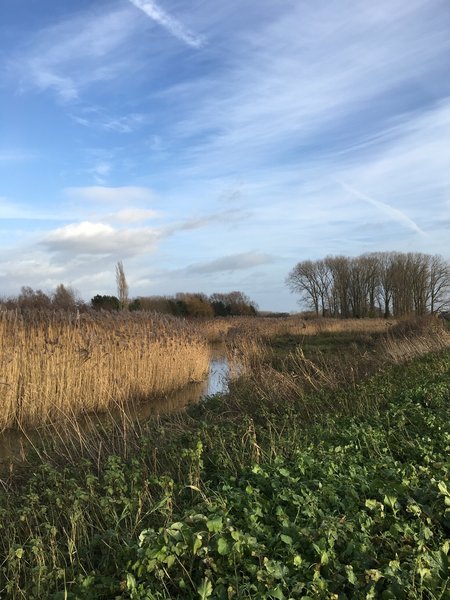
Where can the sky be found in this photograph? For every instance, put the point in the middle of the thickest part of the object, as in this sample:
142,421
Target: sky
212,146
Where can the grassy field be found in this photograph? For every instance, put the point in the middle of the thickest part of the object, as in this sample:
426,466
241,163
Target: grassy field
336,487
53,367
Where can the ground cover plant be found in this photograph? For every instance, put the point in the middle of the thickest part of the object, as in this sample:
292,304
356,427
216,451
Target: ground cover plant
55,366
341,492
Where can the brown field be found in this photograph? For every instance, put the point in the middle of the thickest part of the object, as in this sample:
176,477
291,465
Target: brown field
55,366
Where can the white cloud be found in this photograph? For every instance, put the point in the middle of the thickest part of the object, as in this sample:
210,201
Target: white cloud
177,29
87,238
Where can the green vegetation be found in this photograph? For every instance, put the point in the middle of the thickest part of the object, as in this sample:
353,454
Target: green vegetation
245,497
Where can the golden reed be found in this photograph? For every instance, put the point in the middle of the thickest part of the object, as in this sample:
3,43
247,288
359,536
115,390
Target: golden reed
57,364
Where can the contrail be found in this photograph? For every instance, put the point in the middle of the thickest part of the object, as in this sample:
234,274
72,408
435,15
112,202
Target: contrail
152,10
395,213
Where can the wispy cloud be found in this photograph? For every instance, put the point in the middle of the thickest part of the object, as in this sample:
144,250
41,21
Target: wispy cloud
234,262
285,101
97,118
173,26
306,76
11,210
223,217
133,215
11,156
107,195
74,53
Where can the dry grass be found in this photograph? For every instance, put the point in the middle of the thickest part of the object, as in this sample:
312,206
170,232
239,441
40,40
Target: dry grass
415,337
57,366
220,329
298,375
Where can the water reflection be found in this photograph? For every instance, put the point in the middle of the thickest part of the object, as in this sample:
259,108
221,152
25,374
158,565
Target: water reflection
215,383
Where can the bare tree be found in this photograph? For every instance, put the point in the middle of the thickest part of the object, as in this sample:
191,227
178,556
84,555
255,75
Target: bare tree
439,284
304,279
122,286
64,298
33,299
339,267
401,284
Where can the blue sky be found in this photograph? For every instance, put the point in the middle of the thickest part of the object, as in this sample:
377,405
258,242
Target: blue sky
211,146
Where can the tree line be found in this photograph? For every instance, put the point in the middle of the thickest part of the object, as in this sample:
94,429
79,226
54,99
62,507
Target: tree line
371,285
180,305
184,304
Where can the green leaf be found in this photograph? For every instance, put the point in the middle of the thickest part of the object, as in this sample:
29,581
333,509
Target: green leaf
443,488
131,582
19,552
277,593
286,539
170,560
205,590
390,501
214,525
222,546
351,575
197,544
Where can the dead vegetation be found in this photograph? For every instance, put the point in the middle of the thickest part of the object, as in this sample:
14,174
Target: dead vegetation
59,365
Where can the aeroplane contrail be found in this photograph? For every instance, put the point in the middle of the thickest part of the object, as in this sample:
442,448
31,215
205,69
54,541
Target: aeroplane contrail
395,213
177,29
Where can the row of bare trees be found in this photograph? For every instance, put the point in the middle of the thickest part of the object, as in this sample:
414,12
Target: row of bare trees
62,298
377,284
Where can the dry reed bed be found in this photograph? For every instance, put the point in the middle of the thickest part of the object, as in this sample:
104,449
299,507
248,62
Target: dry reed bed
227,327
54,366
401,342
411,338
